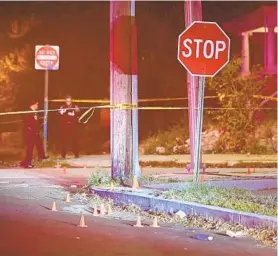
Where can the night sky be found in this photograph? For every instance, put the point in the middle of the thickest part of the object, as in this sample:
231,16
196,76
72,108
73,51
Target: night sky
81,29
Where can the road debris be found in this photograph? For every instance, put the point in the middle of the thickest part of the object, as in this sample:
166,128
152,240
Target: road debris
235,234
202,237
180,214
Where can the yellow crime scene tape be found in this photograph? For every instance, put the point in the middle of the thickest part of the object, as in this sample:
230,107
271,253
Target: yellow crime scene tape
90,110
163,99
42,111
126,107
140,100
132,106
266,97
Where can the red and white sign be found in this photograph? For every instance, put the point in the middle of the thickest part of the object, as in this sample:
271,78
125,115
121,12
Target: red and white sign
47,57
203,49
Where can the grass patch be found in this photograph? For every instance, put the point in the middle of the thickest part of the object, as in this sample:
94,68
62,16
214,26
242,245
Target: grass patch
10,154
52,163
98,178
151,179
49,163
235,199
101,178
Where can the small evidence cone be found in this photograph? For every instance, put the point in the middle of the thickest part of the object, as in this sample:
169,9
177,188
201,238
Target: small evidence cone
135,184
68,198
82,223
248,171
155,225
58,165
54,207
95,211
202,178
102,209
112,186
109,210
138,223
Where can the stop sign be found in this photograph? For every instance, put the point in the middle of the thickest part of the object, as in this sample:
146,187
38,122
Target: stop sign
203,49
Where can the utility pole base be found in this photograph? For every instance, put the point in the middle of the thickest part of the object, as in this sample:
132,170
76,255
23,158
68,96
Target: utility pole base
190,167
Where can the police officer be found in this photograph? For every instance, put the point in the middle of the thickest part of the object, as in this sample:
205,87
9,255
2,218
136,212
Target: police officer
69,113
31,132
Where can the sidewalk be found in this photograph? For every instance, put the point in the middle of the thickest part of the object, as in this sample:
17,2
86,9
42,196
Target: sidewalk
104,160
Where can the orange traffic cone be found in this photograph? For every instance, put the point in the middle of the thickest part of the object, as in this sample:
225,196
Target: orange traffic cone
155,225
109,210
248,171
135,184
82,223
68,198
58,165
95,211
112,186
54,207
202,178
102,209
138,223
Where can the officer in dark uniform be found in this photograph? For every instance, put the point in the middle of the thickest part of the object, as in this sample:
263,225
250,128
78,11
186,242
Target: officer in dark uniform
31,133
69,113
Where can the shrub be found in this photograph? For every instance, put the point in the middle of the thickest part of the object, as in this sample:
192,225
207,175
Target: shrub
234,118
98,178
236,99
174,135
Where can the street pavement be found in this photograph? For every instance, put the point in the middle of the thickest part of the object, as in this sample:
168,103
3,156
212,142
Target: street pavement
29,228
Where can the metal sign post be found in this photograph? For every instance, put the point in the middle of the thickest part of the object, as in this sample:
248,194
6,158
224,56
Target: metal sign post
45,110
198,141
193,12
46,58
134,94
203,50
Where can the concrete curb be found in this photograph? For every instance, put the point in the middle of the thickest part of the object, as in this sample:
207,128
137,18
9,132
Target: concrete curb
147,202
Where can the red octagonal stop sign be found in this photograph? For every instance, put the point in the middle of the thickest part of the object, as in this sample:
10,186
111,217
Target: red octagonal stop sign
203,48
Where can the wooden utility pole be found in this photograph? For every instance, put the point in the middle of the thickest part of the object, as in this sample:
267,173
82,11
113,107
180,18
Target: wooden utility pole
123,77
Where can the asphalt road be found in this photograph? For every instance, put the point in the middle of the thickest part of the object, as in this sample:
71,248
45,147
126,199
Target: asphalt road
29,228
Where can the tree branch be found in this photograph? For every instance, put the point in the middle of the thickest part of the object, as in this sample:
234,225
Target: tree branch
19,30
